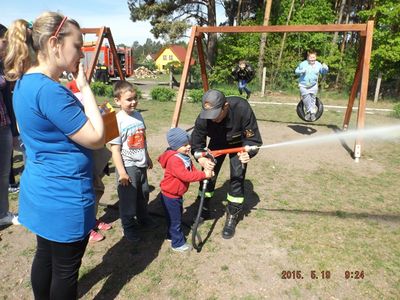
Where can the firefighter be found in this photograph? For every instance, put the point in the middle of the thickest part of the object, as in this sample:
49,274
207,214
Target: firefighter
101,73
229,122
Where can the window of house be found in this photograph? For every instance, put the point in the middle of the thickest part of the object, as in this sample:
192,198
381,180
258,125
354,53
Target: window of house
164,57
170,57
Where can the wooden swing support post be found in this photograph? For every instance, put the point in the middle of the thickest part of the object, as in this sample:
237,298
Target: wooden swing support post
360,79
102,33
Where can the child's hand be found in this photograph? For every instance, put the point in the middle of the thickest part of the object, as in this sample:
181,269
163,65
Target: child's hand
124,179
209,173
325,66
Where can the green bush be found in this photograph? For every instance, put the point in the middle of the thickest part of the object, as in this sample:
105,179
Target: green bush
162,94
139,94
98,88
106,90
102,89
396,109
195,95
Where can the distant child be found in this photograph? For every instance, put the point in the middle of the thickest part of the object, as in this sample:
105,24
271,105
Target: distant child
131,160
308,72
179,172
243,74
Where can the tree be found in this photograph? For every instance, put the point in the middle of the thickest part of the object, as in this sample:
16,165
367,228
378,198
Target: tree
171,19
385,56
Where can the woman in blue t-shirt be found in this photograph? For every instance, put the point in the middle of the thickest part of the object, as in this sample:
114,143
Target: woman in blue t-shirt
56,198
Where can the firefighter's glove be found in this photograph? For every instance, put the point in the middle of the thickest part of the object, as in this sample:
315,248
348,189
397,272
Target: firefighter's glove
244,157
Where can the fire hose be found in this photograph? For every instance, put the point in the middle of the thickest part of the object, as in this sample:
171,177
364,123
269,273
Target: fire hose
210,154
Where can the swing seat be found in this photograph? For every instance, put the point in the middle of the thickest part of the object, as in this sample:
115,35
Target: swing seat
302,114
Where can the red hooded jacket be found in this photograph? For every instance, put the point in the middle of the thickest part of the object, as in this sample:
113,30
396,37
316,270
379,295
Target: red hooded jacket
177,176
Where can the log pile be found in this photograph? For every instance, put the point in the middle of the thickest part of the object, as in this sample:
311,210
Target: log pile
143,72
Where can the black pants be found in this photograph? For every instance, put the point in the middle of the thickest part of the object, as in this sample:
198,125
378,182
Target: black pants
237,176
55,269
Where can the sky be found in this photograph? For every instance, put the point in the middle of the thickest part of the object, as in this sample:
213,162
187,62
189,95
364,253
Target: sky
89,13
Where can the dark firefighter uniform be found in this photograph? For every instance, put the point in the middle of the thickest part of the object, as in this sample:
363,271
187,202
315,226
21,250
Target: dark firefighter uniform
238,128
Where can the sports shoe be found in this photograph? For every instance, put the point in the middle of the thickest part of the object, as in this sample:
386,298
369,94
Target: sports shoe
184,248
9,219
103,226
248,95
95,236
314,110
312,117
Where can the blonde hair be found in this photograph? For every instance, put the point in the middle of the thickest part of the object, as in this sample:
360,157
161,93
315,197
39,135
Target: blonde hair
26,41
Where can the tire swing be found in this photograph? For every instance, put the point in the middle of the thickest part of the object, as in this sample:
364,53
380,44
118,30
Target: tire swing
302,114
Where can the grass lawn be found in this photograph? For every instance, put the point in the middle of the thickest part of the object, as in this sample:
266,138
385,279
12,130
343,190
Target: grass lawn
316,224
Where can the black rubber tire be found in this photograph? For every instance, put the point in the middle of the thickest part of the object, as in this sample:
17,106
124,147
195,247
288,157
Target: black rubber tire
302,114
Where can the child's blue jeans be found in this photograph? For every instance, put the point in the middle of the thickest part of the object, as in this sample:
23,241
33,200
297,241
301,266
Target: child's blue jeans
173,208
242,86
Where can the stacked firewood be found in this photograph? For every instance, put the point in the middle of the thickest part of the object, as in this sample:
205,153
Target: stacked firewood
143,72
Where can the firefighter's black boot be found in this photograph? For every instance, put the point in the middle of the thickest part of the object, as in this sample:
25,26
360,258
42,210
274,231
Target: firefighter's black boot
232,215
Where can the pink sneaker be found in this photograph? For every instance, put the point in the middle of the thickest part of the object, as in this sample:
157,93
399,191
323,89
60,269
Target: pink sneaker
103,226
95,236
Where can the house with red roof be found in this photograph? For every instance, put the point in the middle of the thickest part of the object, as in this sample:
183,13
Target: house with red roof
170,54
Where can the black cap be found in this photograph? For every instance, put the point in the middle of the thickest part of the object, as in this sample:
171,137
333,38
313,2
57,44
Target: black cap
212,103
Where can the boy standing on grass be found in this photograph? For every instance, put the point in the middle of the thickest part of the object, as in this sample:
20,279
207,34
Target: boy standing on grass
131,160
179,172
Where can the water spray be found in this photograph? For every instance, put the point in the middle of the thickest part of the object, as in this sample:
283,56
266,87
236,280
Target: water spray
389,132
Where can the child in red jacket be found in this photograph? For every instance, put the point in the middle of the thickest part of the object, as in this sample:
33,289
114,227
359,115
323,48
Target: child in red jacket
179,172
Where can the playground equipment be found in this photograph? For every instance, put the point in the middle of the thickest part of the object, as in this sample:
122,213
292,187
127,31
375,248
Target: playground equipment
101,33
360,79
106,58
302,115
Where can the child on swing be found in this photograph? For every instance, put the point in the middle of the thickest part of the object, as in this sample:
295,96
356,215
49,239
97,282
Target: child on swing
308,72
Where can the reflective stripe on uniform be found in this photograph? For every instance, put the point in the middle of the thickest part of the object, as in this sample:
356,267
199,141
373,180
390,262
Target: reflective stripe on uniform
233,199
207,194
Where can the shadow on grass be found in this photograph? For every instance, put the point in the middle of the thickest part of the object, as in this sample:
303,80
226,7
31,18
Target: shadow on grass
305,129
217,208
336,129
125,259
120,264
337,213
